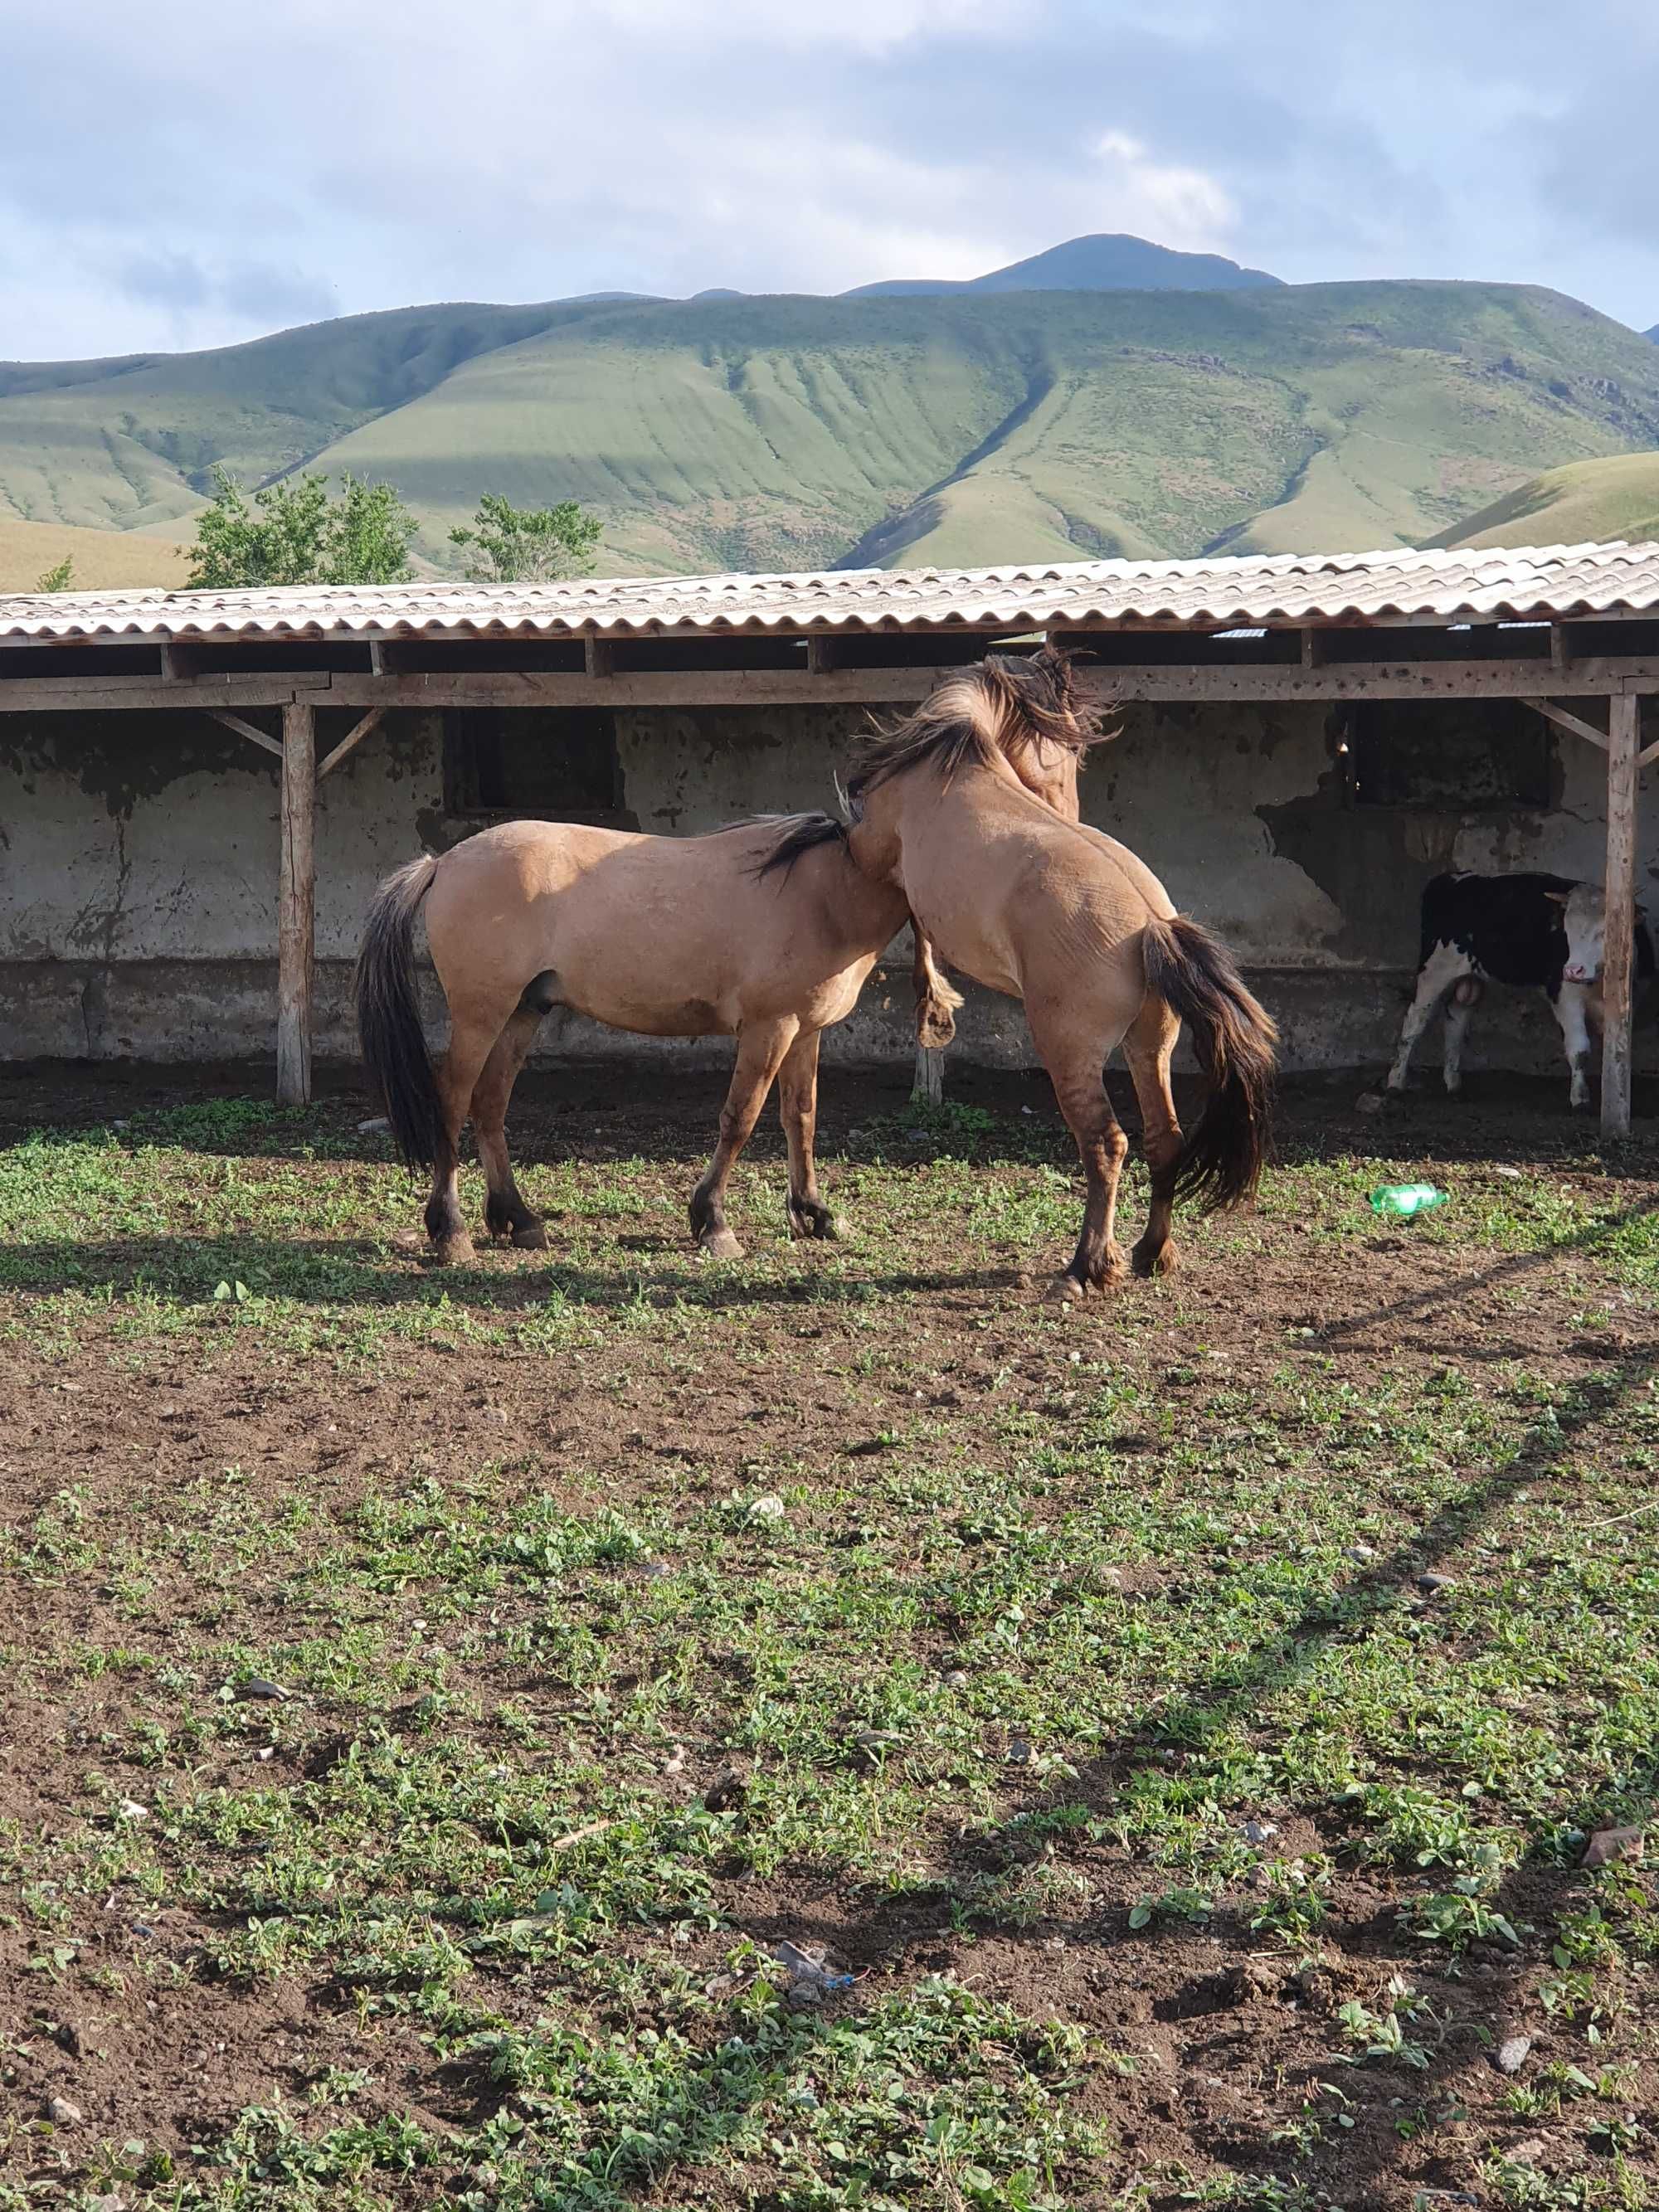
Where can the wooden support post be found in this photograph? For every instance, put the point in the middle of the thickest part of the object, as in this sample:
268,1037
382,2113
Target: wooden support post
927,1085
599,657
820,655
1624,745
296,905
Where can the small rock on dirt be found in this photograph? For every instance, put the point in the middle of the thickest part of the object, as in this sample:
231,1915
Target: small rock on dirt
1362,1551
1607,1844
258,1686
1316,1989
1432,1585
130,1809
1512,2053
67,2036
1370,1102
727,1792
62,2114
1259,1831
957,1679
1254,1980
376,1126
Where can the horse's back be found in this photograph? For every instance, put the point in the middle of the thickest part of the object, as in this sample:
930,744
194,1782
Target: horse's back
668,936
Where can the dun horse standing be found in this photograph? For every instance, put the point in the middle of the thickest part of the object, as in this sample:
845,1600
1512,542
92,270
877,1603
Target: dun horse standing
1051,911
666,936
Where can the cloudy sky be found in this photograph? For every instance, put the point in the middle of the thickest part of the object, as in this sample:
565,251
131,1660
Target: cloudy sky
191,173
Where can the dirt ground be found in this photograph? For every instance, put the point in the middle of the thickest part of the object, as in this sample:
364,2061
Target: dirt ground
1226,1500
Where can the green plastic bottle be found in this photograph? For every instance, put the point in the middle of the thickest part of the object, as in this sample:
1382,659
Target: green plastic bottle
1405,1200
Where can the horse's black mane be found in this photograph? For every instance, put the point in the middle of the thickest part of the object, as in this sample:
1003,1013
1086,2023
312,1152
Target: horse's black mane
804,834
1001,705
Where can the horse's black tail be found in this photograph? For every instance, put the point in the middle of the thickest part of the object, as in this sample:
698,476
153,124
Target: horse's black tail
389,1014
1195,974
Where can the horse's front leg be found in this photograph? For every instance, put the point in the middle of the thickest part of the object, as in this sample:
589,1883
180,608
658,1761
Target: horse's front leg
798,1102
762,1050
936,1002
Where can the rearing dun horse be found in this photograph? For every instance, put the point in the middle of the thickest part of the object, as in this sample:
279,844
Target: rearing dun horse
1054,912
666,936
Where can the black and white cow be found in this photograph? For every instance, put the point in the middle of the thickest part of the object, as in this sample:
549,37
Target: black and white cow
1537,931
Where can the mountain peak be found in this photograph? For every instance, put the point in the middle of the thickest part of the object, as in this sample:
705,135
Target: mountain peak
1103,261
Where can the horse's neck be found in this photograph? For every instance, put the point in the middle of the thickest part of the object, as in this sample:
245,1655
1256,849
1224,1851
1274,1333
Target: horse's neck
912,803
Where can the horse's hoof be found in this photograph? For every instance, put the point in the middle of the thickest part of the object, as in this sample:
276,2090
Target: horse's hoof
455,1251
533,1238
1147,1264
720,1244
1065,1290
935,1035
808,1222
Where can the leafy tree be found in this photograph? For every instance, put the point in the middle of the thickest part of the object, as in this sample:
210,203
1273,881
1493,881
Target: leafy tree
528,544
294,533
60,579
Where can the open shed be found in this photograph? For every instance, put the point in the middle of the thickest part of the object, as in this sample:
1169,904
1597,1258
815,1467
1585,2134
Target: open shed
1357,719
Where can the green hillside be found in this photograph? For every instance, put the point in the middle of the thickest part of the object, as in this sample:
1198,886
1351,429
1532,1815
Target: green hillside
794,432
1614,498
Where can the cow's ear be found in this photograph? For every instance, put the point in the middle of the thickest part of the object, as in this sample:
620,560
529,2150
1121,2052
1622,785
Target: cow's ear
1557,898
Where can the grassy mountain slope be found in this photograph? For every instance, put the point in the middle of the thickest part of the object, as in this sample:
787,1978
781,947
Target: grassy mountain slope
1614,498
129,443
795,432
104,560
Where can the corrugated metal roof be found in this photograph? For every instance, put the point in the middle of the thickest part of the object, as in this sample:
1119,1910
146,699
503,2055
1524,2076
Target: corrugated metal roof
1549,581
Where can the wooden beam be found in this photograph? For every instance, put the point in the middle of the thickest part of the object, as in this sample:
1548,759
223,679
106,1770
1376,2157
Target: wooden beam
353,738
255,737
1624,743
296,905
1264,682
821,654
1194,682
89,695
599,657
1564,720
178,664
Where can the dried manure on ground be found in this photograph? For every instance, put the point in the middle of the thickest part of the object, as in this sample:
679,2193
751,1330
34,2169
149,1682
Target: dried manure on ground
591,1727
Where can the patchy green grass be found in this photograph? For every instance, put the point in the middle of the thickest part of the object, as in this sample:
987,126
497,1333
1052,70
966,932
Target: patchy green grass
434,1699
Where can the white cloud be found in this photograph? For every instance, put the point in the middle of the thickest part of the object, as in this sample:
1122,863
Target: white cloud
191,173
1163,200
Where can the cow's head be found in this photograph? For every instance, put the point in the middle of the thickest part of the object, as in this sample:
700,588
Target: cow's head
1584,919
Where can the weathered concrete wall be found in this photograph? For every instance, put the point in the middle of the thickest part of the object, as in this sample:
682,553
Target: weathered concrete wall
138,867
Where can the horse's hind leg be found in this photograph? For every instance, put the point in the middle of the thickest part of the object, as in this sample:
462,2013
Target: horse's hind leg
505,1213
1148,1046
1076,1073
472,1040
798,1102
762,1051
